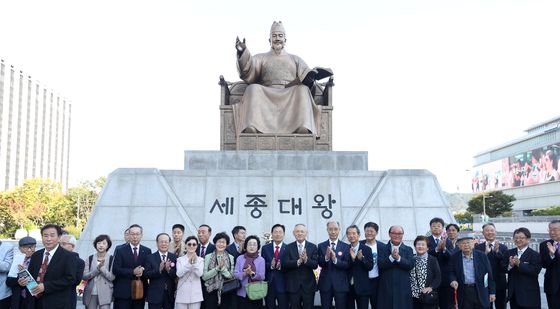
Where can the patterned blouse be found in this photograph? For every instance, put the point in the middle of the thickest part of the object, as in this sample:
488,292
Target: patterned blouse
419,274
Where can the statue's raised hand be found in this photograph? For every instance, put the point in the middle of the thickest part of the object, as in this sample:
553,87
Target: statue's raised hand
240,46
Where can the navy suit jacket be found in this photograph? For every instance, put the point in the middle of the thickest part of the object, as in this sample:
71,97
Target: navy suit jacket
300,277
59,279
359,270
232,250
481,269
499,263
524,279
334,277
274,277
162,284
123,269
80,266
552,274
444,261
375,256
209,249
394,282
432,245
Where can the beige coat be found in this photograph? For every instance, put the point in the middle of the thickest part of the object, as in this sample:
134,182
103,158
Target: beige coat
104,281
189,289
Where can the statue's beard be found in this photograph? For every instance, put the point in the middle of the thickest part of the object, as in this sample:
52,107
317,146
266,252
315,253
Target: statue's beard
277,46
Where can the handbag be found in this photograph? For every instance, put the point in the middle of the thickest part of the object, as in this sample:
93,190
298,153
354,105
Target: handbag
256,290
137,289
430,298
231,285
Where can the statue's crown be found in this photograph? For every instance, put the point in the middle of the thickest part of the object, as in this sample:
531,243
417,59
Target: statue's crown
278,27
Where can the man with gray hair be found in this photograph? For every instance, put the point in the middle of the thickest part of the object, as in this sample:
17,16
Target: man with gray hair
276,101
334,259
550,258
68,242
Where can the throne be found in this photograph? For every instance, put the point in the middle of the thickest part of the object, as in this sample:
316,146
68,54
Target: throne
232,92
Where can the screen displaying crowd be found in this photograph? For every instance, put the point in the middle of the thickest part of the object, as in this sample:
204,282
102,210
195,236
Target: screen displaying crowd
448,269
528,168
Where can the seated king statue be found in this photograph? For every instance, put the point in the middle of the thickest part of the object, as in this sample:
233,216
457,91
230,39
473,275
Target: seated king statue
277,100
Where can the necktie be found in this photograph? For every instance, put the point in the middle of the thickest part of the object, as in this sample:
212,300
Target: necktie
25,264
491,246
202,251
43,268
276,252
300,248
333,246
135,254
437,241
178,249
163,257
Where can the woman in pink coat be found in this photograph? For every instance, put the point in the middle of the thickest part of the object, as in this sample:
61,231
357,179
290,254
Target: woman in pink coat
189,271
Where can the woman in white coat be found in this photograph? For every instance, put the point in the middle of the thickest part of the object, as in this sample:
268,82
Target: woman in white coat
189,271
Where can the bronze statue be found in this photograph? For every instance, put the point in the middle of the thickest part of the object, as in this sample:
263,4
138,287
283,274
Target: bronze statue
277,99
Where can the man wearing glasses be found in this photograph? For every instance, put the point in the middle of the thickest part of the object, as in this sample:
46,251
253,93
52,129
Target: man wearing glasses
550,258
395,262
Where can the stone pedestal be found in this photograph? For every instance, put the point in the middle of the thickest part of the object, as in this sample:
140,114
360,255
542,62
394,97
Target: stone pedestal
257,189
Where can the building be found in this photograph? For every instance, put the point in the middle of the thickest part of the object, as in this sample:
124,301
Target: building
526,167
34,130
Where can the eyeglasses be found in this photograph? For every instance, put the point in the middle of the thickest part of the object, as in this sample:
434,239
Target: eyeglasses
398,234
191,244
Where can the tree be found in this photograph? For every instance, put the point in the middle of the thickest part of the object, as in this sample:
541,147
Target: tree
463,217
551,211
497,203
83,198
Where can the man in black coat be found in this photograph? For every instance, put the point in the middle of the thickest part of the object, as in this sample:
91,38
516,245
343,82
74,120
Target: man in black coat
474,282
204,247
334,259
129,264
550,259
161,271
523,273
55,271
361,262
239,233
273,253
68,242
497,255
298,264
437,247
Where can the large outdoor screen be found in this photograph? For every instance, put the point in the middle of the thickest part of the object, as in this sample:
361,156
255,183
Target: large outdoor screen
528,168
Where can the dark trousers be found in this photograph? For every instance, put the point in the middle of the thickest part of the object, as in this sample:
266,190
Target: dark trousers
374,288
227,300
204,295
356,301
272,297
246,303
128,304
553,299
501,298
6,303
514,305
300,300
165,305
470,299
416,304
446,296
339,299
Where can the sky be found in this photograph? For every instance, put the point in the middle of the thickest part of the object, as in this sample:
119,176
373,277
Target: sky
418,84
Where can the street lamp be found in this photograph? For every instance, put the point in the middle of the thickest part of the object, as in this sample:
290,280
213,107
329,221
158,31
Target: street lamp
484,216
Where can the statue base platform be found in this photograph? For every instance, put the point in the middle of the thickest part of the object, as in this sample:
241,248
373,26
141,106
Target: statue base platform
257,189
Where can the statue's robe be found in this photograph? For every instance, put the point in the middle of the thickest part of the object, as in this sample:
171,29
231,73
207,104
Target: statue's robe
266,104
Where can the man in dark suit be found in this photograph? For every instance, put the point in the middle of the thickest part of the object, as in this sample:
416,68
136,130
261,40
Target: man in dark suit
55,271
550,259
204,247
497,255
523,273
273,253
334,256
298,265
239,233
371,229
471,276
437,245
68,242
161,271
361,263
129,264
395,263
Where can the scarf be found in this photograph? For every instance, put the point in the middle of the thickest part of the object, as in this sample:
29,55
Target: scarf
216,282
250,260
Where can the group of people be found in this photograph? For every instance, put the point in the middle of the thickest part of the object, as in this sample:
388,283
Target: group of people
445,269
